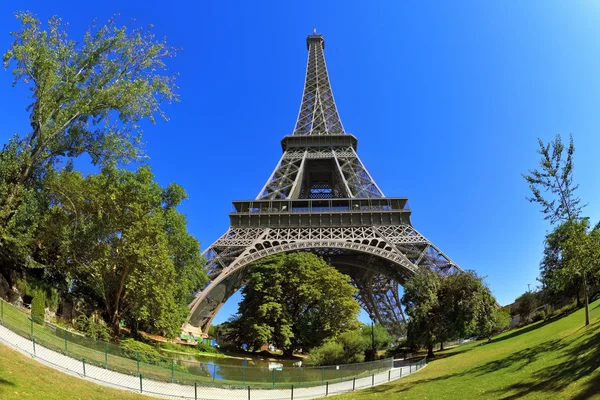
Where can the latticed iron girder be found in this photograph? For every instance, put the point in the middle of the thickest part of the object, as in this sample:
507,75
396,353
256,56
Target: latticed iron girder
391,250
347,177
318,114
375,245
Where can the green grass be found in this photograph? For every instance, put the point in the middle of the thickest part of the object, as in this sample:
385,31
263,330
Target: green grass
24,378
554,360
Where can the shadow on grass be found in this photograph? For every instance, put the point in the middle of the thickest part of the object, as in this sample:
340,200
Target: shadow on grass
578,360
4,382
442,354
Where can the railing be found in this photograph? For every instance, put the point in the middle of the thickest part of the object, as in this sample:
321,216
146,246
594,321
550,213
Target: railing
117,365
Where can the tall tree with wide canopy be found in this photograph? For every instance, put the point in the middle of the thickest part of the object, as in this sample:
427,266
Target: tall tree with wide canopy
448,307
295,301
117,238
422,305
88,97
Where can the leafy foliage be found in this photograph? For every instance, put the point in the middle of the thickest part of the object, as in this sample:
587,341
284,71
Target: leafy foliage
93,326
88,97
349,347
381,336
526,305
38,307
440,309
571,252
117,238
555,178
295,301
422,306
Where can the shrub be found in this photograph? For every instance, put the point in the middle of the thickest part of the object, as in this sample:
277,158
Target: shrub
399,348
329,353
146,353
348,347
93,326
38,306
539,316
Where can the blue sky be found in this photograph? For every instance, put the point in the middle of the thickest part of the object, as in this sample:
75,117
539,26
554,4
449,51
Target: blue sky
447,100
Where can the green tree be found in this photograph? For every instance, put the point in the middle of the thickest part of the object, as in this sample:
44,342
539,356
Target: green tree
295,301
581,257
88,97
454,306
117,238
491,319
558,286
421,302
527,303
552,186
554,189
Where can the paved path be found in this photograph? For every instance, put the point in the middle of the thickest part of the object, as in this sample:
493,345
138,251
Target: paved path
173,390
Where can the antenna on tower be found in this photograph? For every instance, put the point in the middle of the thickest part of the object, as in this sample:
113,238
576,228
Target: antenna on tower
314,31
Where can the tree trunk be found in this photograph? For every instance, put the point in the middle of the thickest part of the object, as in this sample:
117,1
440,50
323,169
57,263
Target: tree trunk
441,345
430,351
587,300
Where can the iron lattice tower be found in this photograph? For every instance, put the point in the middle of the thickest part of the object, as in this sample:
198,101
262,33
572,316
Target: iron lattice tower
320,198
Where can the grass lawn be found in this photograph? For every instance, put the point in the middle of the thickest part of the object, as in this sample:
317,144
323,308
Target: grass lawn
555,360
24,378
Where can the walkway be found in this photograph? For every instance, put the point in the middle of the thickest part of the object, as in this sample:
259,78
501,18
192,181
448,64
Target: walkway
176,391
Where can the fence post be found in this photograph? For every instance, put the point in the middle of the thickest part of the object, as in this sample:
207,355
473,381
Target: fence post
273,374
106,357
389,375
292,392
244,374
2,311
410,368
83,360
65,336
137,360
401,372
214,373
373,380
33,341
353,383
32,326
172,370
327,388
299,376
248,392
322,375
141,383
195,391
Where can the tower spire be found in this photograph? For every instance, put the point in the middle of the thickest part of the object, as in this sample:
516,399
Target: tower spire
318,114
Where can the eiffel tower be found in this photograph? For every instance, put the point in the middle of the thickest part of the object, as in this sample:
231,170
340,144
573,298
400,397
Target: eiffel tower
320,198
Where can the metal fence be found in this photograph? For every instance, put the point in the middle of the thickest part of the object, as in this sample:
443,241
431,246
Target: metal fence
153,374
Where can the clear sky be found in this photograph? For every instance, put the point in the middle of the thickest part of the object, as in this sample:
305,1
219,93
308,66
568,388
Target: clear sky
447,100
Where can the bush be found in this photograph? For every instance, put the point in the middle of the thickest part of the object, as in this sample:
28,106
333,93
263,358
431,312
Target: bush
400,348
38,306
349,347
146,353
198,348
93,327
329,353
538,316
